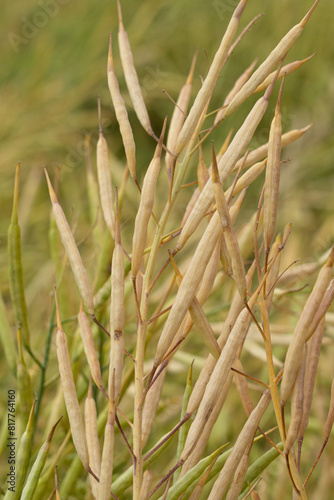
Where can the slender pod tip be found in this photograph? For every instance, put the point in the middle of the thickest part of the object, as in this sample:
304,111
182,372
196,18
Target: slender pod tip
16,194
240,8
215,173
279,99
270,89
53,196
330,258
51,433
120,18
305,19
192,68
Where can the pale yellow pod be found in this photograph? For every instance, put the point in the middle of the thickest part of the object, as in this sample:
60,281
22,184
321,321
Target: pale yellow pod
297,398
262,151
202,324
232,245
122,116
219,374
145,207
271,190
243,441
270,63
178,116
131,77
146,484
240,82
70,395
300,335
89,348
188,287
211,79
247,178
104,180
72,251
196,447
286,70
107,462
323,308
117,316
235,487
93,443
151,405
225,166
313,354
202,172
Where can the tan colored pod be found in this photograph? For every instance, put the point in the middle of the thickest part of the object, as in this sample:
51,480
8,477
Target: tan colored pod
72,252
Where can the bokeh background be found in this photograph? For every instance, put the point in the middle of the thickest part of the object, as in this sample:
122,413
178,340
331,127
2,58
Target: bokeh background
53,67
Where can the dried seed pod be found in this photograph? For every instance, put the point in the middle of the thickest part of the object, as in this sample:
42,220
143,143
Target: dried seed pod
202,172
286,70
104,179
330,416
300,335
107,461
270,63
151,405
271,191
145,207
35,472
117,315
240,82
93,445
178,116
122,116
226,166
243,441
70,395
146,484
232,245
131,77
211,79
297,398
15,266
89,347
72,251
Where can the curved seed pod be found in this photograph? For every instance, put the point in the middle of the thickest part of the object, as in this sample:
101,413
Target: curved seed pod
211,79
178,116
22,460
122,116
271,189
237,262
93,444
313,353
72,251
32,480
243,441
70,395
117,316
89,347
239,476
297,397
145,207
15,266
104,179
286,70
330,416
300,334
226,166
6,337
240,82
270,63
131,77
151,405
247,178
